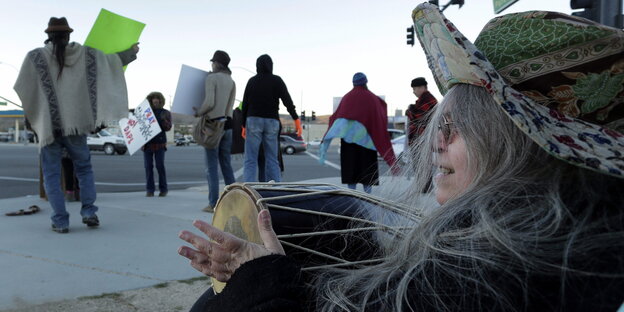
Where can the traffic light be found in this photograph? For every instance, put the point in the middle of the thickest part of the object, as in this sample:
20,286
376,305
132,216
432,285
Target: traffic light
313,115
591,9
410,35
303,116
458,2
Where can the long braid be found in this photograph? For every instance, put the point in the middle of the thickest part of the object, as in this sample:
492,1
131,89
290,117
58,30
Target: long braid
59,41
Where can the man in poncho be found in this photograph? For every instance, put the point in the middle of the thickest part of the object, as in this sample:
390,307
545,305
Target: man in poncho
67,91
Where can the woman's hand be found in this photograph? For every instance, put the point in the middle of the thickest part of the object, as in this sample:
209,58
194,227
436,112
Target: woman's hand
225,253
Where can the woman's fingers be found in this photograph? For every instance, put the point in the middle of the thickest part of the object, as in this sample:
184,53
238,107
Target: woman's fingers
213,233
222,253
207,265
269,238
215,251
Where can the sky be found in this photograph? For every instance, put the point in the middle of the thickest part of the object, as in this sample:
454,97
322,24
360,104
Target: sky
316,46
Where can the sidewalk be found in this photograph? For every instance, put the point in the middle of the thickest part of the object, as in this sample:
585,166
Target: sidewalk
135,247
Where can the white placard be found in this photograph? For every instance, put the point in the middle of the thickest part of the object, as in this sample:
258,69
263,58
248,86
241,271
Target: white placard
190,91
140,127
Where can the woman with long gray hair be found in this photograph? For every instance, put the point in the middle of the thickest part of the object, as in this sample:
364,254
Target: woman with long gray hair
528,184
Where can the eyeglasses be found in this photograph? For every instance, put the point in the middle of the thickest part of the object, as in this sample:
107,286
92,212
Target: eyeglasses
445,127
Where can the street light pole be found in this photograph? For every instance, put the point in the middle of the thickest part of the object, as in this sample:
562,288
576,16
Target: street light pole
245,69
11,65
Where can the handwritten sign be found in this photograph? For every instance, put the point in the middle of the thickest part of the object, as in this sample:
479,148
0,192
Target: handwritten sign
140,127
190,91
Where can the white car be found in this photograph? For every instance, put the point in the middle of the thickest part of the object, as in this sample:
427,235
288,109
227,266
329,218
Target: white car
107,142
398,146
315,142
397,138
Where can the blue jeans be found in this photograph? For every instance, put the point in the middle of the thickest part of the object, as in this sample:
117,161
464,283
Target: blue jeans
263,131
367,188
76,146
215,157
149,156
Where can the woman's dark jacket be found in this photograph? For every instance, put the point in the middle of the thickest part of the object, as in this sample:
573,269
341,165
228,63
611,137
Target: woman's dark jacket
163,117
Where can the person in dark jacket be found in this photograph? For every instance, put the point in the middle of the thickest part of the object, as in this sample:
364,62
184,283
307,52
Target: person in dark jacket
529,208
154,150
261,119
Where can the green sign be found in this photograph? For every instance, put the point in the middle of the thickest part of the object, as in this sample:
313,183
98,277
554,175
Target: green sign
3,103
501,5
112,33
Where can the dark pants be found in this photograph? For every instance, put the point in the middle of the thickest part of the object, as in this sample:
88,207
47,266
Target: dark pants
149,157
203,302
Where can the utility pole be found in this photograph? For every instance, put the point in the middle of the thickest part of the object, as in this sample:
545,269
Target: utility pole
304,122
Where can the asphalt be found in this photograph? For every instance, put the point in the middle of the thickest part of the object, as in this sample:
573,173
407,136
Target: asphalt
135,246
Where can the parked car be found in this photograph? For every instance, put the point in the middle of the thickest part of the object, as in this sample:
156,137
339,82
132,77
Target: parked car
105,141
190,138
398,146
290,146
5,137
394,134
292,135
182,141
315,142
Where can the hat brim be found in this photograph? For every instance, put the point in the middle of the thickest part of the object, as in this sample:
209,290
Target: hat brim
453,59
58,28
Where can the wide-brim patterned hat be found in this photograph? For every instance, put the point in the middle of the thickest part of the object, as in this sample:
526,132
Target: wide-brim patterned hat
559,78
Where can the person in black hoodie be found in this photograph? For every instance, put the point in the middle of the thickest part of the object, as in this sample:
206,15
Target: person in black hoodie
261,119
155,149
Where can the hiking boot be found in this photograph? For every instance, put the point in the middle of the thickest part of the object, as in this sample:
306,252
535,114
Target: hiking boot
91,221
149,194
208,208
162,194
61,230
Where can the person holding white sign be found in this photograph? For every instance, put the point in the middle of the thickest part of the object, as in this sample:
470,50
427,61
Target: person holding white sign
218,104
67,91
154,150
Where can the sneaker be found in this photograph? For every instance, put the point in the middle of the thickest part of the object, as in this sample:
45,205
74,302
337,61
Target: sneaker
162,194
149,194
91,221
208,208
61,230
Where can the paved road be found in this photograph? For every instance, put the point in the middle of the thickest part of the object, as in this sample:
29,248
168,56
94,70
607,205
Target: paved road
19,174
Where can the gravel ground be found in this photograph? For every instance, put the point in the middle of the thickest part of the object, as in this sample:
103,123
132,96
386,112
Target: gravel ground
171,296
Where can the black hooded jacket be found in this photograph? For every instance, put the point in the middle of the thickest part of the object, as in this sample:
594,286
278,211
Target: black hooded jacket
263,92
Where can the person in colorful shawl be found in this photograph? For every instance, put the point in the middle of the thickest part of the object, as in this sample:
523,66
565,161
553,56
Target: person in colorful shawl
361,123
67,91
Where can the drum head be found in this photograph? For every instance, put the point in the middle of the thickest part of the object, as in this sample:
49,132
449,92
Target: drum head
236,213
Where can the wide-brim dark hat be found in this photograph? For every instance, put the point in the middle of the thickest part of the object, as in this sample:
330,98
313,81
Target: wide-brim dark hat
559,78
58,24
